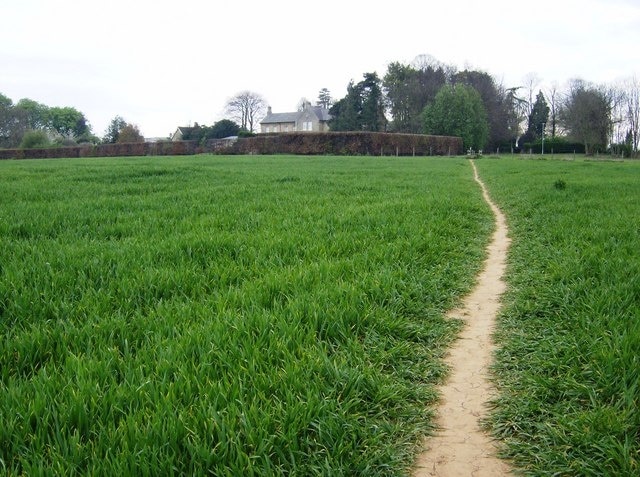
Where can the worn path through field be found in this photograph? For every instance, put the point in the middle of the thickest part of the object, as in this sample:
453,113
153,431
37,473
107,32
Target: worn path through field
460,447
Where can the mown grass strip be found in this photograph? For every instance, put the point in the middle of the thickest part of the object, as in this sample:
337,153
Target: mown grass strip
228,315
569,360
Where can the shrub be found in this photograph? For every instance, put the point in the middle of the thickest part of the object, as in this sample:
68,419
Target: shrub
557,145
560,184
35,138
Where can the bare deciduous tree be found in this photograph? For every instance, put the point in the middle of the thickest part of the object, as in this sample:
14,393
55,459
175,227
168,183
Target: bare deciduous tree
517,112
617,98
587,115
531,82
553,98
246,107
632,103
425,62
302,104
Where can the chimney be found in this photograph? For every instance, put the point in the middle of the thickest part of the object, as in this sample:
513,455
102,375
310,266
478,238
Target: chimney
268,110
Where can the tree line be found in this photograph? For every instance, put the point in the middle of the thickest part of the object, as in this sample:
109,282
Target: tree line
29,124
430,97
422,97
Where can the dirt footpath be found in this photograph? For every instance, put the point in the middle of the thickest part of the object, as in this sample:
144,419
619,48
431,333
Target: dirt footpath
460,447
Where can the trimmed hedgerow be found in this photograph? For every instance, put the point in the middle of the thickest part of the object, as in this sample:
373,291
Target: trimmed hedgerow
350,143
332,143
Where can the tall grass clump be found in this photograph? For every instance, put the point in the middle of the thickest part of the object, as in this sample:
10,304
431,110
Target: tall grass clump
569,361
228,315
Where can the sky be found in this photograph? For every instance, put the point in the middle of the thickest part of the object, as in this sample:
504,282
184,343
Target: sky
161,64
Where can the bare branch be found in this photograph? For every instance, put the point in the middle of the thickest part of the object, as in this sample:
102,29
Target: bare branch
245,108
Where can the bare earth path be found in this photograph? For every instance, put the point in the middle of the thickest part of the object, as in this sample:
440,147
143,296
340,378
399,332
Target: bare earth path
461,448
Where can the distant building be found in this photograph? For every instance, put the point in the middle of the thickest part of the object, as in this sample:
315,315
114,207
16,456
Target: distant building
310,119
182,132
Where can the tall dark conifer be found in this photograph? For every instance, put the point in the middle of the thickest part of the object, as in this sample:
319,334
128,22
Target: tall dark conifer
538,118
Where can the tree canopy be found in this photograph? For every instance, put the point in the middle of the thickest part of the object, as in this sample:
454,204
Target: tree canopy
60,124
324,98
408,90
586,115
224,128
246,107
37,115
11,129
497,104
130,133
112,133
362,109
68,122
538,119
458,110
221,129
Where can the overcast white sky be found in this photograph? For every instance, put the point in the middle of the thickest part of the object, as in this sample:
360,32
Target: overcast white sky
160,64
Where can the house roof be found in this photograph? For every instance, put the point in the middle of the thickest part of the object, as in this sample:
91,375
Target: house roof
281,118
322,113
184,130
274,118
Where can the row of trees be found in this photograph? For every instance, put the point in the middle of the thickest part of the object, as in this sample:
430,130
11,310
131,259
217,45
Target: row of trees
598,117
120,131
425,96
430,97
220,129
29,124
414,98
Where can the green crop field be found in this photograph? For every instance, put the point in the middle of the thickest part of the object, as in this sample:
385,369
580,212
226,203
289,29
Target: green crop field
569,361
230,315
284,315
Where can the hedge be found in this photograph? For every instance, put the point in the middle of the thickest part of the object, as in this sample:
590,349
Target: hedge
350,143
330,143
105,150
554,145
